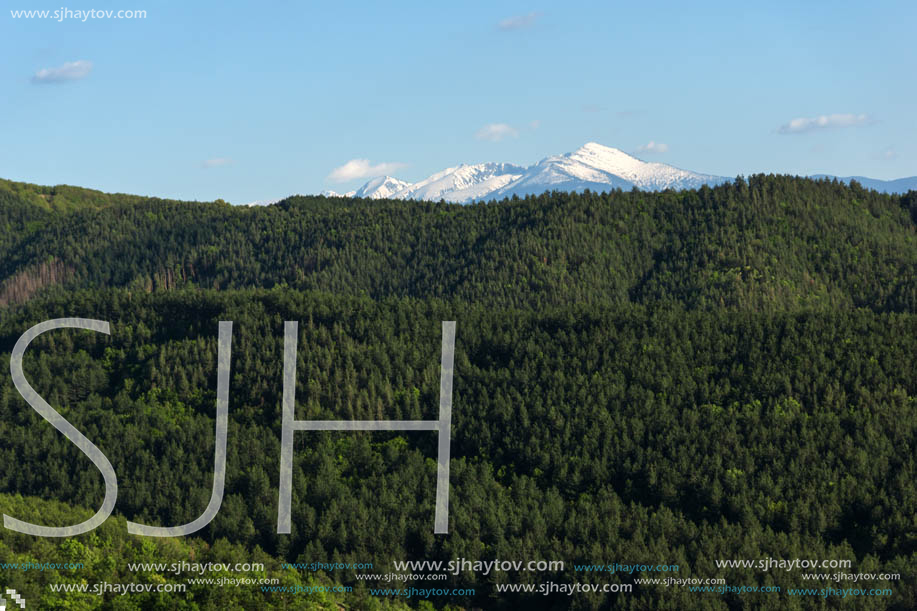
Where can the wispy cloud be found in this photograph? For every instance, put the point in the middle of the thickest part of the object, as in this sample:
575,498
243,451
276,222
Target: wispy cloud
653,147
216,162
889,154
362,168
802,125
70,71
495,132
518,22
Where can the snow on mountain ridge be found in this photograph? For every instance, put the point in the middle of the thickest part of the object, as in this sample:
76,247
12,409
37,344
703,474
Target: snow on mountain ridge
598,167
383,187
592,166
463,182
606,159
652,175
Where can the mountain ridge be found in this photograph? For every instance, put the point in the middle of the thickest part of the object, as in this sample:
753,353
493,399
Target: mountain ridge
592,166
896,185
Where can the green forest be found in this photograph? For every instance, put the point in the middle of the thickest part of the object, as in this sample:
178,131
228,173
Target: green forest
667,378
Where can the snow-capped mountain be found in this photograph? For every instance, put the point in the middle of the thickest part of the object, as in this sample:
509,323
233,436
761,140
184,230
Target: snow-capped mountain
464,183
599,168
383,187
592,166
330,193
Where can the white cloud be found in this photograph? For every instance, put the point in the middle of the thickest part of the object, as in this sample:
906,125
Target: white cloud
888,154
653,147
495,132
518,22
70,71
362,168
216,162
806,124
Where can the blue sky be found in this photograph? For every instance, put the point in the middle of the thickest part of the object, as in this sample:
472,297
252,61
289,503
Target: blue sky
249,101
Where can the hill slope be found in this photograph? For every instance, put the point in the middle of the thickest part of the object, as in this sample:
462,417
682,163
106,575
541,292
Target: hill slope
770,243
674,377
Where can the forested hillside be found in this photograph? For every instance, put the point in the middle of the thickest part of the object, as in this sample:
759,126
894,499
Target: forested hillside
676,377
65,198
105,555
769,243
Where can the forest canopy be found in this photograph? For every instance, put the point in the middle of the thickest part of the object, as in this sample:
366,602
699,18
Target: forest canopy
676,377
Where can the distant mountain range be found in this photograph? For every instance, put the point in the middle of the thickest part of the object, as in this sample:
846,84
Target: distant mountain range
592,166
900,185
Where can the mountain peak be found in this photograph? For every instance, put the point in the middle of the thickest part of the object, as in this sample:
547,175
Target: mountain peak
595,147
608,159
382,187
